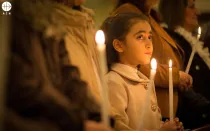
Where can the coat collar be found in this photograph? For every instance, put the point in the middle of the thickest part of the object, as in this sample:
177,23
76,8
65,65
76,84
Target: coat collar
129,73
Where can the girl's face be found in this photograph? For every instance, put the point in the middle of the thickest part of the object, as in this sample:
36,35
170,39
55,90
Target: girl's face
137,46
191,15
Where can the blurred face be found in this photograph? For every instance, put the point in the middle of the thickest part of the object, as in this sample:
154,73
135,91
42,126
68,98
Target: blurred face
191,15
79,2
137,47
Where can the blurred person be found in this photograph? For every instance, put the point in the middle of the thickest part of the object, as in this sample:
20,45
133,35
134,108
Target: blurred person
182,20
37,97
80,42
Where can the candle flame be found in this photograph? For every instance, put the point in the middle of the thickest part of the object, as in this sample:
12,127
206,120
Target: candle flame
199,30
170,63
153,64
99,37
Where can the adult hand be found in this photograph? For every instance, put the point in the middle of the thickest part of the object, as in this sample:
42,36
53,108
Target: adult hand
94,126
185,80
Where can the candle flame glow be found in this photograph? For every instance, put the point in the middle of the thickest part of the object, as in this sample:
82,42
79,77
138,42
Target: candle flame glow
170,63
99,37
199,30
153,64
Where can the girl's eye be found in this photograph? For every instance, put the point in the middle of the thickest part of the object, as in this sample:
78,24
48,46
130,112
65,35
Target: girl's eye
150,37
140,37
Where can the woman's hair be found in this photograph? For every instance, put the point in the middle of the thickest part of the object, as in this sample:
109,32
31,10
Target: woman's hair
140,4
172,12
117,27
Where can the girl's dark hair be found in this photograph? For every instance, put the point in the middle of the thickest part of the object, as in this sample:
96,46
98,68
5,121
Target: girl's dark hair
172,12
117,27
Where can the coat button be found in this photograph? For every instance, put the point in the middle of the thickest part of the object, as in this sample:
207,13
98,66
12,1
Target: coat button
146,86
197,67
153,107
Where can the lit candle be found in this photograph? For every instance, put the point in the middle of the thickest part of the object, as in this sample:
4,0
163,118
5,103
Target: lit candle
192,53
199,33
171,113
147,98
100,40
153,69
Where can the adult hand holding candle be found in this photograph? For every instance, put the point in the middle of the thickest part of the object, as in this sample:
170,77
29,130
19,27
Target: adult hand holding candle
100,40
147,101
171,113
193,52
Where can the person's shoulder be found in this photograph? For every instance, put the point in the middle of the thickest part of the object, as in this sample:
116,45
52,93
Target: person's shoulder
170,32
88,10
114,76
126,8
40,16
115,80
178,38
173,34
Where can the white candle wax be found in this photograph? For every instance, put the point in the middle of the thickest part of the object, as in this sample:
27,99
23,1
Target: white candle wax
171,113
101,48
199,33
147,98
192,53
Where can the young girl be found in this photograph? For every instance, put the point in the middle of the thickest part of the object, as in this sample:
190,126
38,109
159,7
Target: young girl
129,45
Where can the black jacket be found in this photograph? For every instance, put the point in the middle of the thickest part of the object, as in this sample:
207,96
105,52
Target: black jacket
193,109
198,70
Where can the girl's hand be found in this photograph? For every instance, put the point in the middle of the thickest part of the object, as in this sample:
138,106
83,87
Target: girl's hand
172,125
